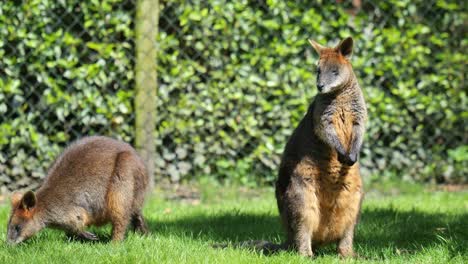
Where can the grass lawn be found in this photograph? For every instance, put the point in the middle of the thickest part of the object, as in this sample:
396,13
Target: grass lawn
414,227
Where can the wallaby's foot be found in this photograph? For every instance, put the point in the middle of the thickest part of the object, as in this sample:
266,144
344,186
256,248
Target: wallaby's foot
119,227
346,253
306,253
304,244
139,225
118,231
303,241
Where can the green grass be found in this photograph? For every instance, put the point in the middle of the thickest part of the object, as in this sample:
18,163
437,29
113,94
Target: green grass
420,227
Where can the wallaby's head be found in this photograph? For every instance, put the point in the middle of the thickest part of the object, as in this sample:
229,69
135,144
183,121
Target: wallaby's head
22,224
334,70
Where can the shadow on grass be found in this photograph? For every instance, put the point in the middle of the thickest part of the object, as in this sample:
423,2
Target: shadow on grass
226,227
410,231
379,229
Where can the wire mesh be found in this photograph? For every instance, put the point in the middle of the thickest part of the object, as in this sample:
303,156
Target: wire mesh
233,80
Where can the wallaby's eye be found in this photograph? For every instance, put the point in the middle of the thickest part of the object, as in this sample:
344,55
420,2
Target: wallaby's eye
17,228
318,70
335,72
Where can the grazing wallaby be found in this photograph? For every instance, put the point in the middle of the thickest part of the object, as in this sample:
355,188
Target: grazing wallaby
96,180
319,189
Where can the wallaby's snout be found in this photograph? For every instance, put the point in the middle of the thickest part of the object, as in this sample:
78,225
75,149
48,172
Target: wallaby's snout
13,240
320,87
13,235
320,83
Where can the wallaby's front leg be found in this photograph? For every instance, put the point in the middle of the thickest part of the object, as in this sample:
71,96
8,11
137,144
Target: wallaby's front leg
75,227
356,142
328,134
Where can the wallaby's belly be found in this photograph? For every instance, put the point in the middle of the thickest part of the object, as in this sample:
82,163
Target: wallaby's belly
330,198
338,209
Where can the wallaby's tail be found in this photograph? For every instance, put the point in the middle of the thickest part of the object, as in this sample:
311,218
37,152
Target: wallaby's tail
265,247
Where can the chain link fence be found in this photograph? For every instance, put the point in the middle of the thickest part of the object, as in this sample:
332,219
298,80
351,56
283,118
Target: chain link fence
215,88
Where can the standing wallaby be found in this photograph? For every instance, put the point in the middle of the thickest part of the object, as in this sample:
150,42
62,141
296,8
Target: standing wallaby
96,180
319,189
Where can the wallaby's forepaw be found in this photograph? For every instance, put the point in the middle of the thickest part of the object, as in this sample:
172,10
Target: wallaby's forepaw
347,159
88,236
83,236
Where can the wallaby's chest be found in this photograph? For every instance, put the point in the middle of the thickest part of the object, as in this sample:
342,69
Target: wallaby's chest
338,113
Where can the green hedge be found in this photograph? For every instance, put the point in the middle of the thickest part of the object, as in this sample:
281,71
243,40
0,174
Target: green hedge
66,70
235,77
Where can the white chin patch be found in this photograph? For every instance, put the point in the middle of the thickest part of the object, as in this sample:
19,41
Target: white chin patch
330,88
13,242
326,90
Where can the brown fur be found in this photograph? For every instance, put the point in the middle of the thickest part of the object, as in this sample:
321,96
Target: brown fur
319,188
96,180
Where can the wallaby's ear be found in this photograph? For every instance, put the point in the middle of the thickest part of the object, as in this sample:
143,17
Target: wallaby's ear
16,199
29,200
346,47
318,48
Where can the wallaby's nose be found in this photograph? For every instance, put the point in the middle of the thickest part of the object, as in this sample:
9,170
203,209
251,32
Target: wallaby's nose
320,87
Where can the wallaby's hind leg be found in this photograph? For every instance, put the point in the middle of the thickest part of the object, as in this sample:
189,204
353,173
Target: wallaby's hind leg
120,195
141,181
303,241
138,223
120,213
302,215
285,216
345,244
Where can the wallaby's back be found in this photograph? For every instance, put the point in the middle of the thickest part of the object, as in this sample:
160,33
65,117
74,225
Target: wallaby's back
84,170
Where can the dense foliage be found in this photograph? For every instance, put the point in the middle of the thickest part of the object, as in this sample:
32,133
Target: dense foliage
66,70
235,77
